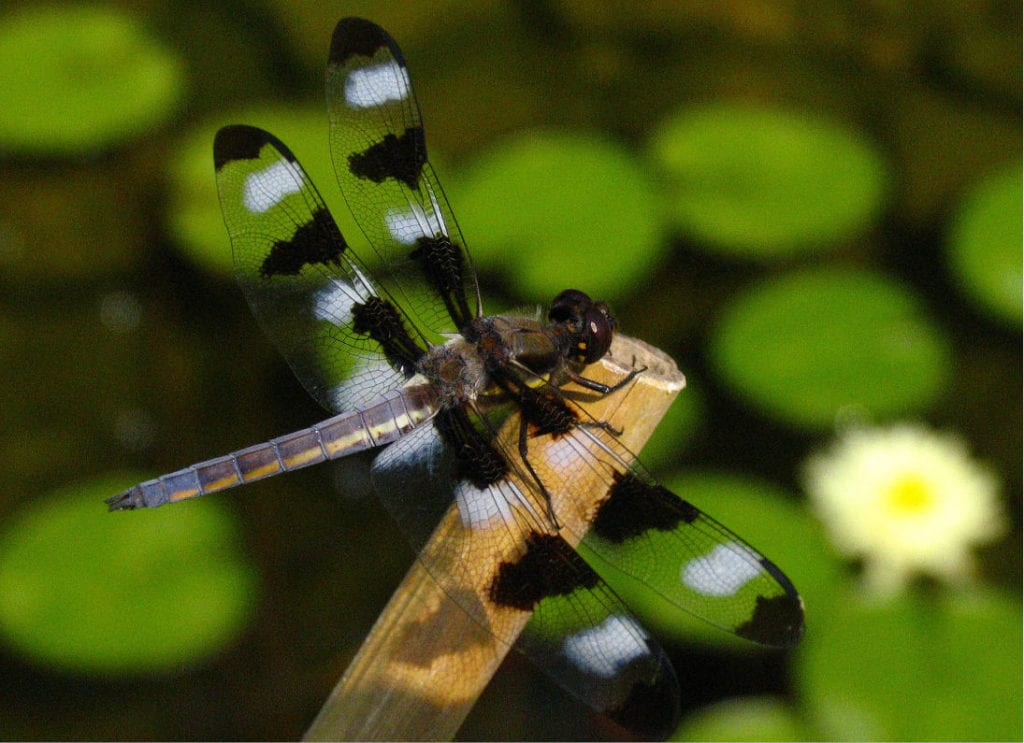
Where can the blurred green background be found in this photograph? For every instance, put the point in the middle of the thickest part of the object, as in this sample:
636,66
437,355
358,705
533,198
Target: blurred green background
815,207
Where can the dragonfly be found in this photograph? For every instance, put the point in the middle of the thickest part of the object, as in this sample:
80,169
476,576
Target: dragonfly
407,360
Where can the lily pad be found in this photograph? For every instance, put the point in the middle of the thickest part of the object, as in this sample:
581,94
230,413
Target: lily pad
808,345
985,243
758,183
681,424
923,667
79,77
750,718
557,207
87,591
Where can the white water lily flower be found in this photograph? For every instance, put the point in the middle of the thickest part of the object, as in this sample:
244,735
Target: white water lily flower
907,501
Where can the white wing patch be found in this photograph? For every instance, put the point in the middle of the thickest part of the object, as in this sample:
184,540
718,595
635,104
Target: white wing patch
723,571
408,226
265,189
371,86
481,509
604,649
334,301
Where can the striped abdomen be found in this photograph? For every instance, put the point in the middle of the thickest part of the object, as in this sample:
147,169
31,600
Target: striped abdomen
380,423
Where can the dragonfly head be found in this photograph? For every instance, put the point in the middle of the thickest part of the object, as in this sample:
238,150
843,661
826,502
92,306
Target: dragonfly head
586,326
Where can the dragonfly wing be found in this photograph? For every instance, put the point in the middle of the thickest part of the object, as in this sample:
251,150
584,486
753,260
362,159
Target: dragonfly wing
346,341
504,565
380,160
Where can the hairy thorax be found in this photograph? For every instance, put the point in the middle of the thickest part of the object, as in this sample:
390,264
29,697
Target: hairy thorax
461,368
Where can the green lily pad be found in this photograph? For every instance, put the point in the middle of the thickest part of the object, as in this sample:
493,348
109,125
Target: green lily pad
807,345
79,77
681,424
555,207
88,591
750,718
933,667
985,244
759,183
194,209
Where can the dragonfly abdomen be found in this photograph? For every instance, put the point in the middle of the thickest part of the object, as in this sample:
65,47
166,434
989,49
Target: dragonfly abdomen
375,425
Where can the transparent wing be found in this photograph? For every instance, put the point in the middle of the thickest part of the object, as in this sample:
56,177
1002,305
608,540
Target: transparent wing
380,159
346,341
500,559
647,533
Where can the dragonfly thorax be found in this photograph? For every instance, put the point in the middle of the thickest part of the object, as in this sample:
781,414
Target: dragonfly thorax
457,371
465,367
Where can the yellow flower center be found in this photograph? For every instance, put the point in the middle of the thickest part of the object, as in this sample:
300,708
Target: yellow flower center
909,496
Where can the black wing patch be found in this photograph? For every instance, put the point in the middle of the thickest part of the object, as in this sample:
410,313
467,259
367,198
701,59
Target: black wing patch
500,559
319,241
548,568
400,158
380,160
347,342
633,507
